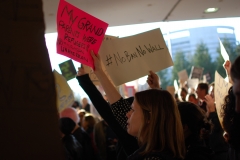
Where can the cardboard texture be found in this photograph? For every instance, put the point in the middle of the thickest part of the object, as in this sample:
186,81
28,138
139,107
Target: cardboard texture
28,113
132,57
65,97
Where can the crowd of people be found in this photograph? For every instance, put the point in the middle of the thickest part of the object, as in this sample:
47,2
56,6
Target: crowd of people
153,125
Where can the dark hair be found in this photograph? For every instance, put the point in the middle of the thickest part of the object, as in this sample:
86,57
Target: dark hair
231,119
194,118
66,125
235,69
203,86
193,95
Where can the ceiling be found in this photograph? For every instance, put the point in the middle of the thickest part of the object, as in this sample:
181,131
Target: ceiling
126,12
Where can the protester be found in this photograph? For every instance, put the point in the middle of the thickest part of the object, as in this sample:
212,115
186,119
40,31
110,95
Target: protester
106,141
73,148
85,105
82,137
202,91
231,125
196,127
153,119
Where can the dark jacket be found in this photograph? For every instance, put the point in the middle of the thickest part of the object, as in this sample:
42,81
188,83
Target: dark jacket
84,139
197,150
73,149
127,144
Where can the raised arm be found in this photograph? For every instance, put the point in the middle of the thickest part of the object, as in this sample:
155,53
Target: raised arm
227,67
128,142
110,90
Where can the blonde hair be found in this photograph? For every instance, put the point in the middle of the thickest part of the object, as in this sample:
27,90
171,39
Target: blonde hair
162,128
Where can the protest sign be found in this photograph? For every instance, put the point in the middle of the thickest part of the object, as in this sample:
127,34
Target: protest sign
193,83
182,75
132,57
65,97
68,69
28,113
175,86
196,72
221,88
223,52
89,70
78,33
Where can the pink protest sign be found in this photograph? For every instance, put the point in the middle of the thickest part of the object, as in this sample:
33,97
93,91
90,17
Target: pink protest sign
78,33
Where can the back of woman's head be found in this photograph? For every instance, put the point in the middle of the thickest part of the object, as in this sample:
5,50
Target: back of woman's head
161,129
194,118
231,120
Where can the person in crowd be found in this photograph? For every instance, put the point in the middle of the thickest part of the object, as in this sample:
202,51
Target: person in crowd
235,77
192,97
196,127
148,119
231,112
183,93
85,105
202,91
76,105
127,144
73,148
106,141
82,137
81,114
231,125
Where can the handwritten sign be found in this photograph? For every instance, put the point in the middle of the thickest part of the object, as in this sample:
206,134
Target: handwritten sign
78,33
129,58
221,88
89,70
196,72
223,52
68,69
182,75
65,97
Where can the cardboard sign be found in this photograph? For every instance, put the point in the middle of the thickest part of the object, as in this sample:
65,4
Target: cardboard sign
182,75
193,83
78,33
65,97
68,70
196,72
221,88
129,58
223,52
89,70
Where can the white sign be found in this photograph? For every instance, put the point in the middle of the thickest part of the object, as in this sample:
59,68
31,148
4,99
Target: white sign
129,58
193,83
223,52
221,88
65,97
89,70
182,75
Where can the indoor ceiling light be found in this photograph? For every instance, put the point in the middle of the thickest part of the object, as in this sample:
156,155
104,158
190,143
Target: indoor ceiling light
211,10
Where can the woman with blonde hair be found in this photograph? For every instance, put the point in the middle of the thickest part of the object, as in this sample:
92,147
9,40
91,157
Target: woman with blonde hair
153,119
